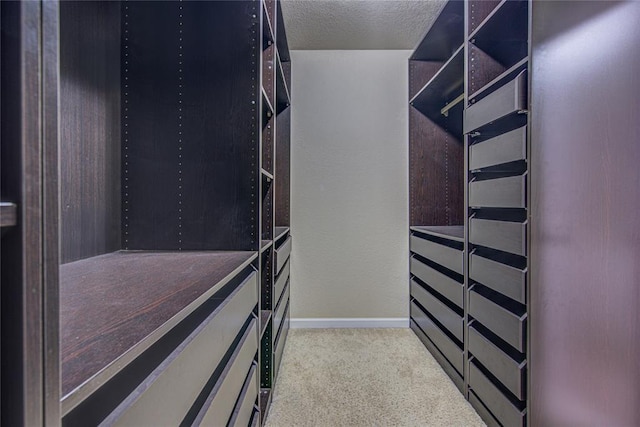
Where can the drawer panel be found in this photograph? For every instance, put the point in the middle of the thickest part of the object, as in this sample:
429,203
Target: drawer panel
448,287
444,255
508,326
508,147
449,318
508,99
499,405
278,314
282,254
167,394
281,281
502,235
506,192
508,371
507,280
282,341
219,405
482,410
246,402
255,420
449,349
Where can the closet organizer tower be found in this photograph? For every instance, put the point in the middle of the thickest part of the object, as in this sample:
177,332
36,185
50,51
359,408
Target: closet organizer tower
468,167
164,268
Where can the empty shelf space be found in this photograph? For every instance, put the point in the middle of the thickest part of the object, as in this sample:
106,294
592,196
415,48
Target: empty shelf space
283,99
280,232
265,317
444,36
443,89
114,303
8,214
453,232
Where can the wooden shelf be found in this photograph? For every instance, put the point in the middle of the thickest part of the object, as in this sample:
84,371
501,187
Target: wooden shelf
451,232
8,214
266,174
279,232
265,316
281,35
283,100
267,107
265,402
114,306
444,36
265,244
507,75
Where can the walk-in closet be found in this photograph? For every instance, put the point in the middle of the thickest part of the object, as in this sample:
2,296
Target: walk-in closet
319,213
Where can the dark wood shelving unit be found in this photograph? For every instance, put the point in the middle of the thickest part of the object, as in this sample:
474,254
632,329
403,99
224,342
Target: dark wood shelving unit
265,318
507,75
453,232
266,244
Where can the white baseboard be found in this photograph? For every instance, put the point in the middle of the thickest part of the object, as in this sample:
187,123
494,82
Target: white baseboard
328,323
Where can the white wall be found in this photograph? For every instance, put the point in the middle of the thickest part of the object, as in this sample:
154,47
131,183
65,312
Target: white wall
349,195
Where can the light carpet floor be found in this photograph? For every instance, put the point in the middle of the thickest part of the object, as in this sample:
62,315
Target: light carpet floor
364,377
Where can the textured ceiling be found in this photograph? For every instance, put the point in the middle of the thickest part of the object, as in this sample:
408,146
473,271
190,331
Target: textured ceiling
357,24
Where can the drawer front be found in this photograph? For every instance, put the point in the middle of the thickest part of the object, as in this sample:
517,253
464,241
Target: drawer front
219,405
278,314
482,410
167,394
447,347
507,280
506,192
255,420
246,403
499,405
281,281
448,287
282,254
500,321
502,235
508,147
510,98
508,371
444,255
449,318
282,340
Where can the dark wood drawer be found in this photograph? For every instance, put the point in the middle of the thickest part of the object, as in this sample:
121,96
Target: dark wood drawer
509,192
504,368
220,402
281,342
448,287
482,410
508,147
443,314
502,322
178,381
444,255
506,100
503,278
502,235
246,402
500,406
281,281
282,254
447,347
278,314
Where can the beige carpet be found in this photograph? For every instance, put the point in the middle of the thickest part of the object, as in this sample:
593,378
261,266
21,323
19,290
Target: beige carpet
364,377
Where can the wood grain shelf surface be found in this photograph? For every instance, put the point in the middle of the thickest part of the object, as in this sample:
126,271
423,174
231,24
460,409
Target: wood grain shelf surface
279,232
451,232
8,214
110,303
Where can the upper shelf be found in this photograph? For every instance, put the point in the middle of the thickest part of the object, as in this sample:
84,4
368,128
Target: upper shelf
267,108
8,214
503,34
267,30
444,36
114,306
451,232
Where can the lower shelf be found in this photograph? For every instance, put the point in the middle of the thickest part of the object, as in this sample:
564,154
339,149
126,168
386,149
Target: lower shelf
265,403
